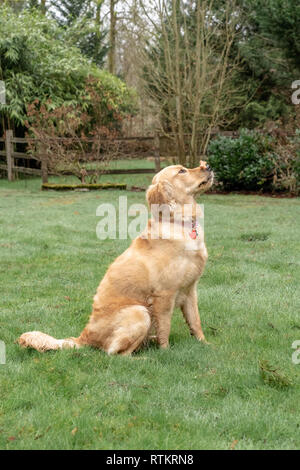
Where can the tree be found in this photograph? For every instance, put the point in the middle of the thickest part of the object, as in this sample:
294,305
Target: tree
37,61
270,51
188,72
82,20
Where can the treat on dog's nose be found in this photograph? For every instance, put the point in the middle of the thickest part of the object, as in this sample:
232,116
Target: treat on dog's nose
203,165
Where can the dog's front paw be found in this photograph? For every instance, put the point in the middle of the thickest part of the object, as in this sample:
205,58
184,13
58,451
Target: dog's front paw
202,339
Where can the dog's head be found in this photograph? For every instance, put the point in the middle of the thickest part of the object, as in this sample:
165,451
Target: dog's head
179,185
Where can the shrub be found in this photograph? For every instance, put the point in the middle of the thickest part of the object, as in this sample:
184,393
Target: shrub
64,140
287,164
242,163
255,162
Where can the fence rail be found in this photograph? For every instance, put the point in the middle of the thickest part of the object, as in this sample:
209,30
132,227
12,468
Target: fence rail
162,145
11,154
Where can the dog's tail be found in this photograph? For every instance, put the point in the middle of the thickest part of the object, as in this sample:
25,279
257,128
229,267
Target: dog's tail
42,342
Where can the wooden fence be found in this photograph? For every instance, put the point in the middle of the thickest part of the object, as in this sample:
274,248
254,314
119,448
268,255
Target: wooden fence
9,152
160,146
13,156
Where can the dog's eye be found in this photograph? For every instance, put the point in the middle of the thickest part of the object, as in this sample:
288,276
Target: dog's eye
182,171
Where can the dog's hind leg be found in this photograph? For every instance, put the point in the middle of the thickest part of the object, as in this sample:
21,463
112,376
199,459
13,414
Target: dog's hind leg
131,326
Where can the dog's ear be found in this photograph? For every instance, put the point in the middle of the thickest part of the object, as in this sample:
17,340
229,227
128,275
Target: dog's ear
161,193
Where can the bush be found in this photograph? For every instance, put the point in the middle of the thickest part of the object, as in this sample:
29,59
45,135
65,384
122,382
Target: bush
254,162
287,164
242,163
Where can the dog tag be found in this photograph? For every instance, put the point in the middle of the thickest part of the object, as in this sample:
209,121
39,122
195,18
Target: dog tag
193,234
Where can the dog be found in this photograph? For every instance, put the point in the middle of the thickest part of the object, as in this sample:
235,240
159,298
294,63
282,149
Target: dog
157,272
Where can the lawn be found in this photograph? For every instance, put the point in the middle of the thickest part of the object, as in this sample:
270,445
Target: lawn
192,396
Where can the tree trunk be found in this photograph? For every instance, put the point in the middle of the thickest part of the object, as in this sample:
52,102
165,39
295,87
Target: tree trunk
43,7
112,38
98,26
180,131
157,153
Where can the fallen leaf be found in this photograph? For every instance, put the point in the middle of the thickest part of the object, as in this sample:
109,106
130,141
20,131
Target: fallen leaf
233,444
11,438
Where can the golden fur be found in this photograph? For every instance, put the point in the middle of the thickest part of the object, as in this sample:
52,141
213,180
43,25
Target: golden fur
143,285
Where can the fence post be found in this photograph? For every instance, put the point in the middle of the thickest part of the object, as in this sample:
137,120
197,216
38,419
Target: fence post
9,154
44,171
44,164
157,153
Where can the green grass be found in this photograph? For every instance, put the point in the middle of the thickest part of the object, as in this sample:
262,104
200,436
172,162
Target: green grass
131,163
191,396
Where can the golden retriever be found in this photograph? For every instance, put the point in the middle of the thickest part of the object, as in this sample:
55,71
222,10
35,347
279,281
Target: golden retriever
157,272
